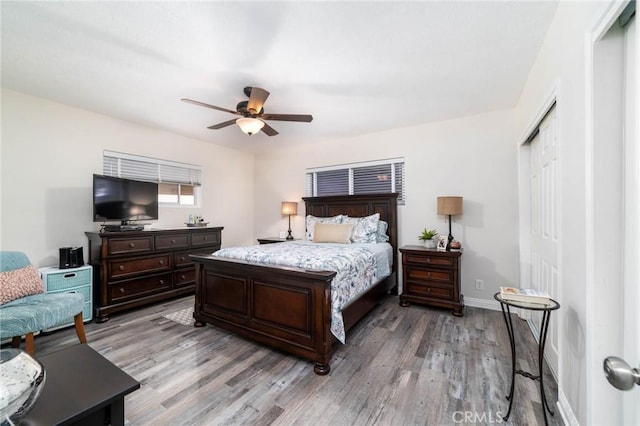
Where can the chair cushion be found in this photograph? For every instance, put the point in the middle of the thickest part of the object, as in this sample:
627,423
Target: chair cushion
20,283
38,312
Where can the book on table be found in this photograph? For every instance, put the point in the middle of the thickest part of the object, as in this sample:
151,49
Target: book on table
528,295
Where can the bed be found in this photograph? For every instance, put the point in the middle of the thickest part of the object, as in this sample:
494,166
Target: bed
287,307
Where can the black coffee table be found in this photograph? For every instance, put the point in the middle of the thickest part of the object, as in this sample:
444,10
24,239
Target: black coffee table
81,388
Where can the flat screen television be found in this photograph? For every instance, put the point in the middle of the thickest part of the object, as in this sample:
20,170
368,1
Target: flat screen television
124,200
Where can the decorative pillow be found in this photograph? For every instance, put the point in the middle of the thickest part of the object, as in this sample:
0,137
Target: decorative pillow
365,228
381,235
333,233
312,220
19,283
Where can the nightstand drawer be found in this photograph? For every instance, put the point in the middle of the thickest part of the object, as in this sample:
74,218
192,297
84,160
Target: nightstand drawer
431,275
429,260
430,291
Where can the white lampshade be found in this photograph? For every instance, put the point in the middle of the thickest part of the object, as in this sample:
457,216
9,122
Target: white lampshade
250,125
289,207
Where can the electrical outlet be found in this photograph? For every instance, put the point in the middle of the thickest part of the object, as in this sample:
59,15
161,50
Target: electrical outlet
479,285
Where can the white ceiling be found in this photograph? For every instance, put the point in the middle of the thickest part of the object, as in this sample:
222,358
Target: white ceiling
357,67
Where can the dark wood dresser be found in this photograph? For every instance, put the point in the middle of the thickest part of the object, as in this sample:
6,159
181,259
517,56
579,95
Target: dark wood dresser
134,268
431,277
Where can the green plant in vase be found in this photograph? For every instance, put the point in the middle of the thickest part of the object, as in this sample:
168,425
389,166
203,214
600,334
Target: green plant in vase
428,237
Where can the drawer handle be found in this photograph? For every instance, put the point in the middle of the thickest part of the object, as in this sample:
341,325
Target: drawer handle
428,260
132,245
162,282
70,275
204,238
182,277
428,290
173,241
428,274
161,262
121,267
121,290
182,258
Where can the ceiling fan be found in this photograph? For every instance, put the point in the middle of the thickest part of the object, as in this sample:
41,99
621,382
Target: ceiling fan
252,113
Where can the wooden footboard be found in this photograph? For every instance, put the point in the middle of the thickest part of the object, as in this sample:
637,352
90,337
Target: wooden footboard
286,308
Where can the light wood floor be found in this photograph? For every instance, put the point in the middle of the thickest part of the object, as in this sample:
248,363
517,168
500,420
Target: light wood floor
400,366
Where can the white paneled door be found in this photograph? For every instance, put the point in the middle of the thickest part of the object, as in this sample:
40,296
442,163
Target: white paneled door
544,224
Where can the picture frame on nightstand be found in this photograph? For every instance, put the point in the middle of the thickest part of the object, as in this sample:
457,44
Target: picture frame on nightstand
442,242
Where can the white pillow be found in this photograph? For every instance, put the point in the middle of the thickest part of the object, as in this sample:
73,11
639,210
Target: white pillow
365,228
333,233
312,220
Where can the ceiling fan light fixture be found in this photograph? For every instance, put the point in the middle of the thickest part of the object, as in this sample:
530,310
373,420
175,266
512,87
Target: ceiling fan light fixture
250,125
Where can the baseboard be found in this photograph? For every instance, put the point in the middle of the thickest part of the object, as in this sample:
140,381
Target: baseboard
482,303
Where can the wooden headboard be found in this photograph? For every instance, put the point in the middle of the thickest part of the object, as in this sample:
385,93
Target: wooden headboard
360,206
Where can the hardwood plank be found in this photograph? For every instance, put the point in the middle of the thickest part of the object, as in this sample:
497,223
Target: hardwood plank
400,366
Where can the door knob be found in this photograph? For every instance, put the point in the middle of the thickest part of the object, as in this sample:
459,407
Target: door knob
620,374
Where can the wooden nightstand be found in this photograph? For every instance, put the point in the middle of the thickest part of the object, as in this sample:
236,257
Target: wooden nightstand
431,277
271,240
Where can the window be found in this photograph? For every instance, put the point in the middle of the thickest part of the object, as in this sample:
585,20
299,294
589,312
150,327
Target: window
381,176
179,183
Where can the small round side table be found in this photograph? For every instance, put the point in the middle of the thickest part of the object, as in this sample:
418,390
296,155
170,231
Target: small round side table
544,327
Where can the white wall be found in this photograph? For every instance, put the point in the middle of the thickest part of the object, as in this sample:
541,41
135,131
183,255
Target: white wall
561,66
473,157
50,152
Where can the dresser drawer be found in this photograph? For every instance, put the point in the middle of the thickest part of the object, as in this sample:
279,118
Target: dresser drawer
205,238
429,275
428,260
130,245
185,277
181,258
172,241
429,291
139,287
132,266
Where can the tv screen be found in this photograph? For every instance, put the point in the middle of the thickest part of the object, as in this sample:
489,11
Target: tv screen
124,199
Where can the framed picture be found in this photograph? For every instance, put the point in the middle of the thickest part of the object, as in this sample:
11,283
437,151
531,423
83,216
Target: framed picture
442,242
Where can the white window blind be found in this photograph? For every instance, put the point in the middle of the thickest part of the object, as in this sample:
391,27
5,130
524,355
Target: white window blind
137,167
382,176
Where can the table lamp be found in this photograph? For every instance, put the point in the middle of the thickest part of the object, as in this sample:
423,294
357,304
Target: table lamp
289,208
449,206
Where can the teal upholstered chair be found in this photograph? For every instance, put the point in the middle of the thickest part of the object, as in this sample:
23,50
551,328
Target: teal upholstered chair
29,314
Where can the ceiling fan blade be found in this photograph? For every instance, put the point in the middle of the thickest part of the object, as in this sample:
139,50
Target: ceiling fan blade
270,131
288,117
223,124
191,101
257,99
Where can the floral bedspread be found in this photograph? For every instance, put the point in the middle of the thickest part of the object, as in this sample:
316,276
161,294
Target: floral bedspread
355,268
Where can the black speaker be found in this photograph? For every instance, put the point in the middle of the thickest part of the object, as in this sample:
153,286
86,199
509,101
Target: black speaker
71,257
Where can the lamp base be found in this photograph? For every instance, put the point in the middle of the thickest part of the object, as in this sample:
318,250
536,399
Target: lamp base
289,236
450,238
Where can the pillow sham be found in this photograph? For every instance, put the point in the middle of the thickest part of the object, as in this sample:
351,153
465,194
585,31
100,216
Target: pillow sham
312,220
333,233
19,283
365,228
381,234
